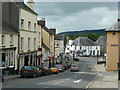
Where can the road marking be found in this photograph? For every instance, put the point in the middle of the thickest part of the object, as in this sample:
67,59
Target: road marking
100,74
40,83
77,81
58,82
46,86
67,79
75,76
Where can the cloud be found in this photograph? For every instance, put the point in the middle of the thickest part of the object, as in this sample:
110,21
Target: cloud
78,16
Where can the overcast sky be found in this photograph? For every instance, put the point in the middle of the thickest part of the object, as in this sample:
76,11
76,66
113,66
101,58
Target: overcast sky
70,16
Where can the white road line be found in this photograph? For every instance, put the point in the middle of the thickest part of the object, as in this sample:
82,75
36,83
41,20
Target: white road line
75,76
58,82
100,74
46,86
40,83
67,79
77,81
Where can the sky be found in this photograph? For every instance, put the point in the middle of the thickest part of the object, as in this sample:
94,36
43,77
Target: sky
77,16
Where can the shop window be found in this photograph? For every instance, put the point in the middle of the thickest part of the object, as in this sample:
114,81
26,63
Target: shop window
3,60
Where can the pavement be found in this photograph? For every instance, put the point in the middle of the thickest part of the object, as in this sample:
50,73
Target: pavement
105,79
8,77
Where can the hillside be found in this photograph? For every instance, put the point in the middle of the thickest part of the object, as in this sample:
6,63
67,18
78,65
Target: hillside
97,32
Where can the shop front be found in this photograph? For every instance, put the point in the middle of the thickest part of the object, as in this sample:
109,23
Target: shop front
28,59
7,57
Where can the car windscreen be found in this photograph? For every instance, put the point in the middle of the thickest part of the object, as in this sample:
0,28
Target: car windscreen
41,67
26,68
74,66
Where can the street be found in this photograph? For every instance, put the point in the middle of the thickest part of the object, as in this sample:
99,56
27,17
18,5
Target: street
65,79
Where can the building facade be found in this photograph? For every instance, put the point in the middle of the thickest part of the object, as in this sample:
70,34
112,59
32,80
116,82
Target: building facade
59,48
82,46
28,38
113,47
9,37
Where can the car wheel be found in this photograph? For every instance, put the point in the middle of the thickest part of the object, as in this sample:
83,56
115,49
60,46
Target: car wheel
21,76
34,75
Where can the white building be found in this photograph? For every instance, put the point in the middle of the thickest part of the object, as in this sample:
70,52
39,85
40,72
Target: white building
59,47
82,46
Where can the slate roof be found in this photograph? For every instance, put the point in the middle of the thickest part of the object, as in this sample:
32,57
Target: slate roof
59,37
25,7
84,41
102,40
7,29
115,27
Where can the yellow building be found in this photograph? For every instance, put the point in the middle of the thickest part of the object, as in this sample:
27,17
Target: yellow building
48,43
113,47
52,41
45,36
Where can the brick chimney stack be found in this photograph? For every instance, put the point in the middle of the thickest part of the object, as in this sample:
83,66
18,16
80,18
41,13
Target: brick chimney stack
53,30
42,22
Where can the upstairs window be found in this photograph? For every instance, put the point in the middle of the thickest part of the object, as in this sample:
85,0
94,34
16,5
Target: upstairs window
3,40
34,26
22,44
11,39
29,25
28,43
34,43
22,23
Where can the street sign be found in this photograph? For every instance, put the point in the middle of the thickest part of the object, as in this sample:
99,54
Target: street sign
115,45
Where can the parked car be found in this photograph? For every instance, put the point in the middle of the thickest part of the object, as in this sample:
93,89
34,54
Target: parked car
48,70
76,59
54,69
45,70
74,68
30,71
60,67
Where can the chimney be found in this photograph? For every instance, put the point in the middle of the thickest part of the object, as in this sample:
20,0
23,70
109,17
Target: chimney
30,4
42,22
53,30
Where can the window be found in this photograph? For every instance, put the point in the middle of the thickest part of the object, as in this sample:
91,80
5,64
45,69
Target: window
57,44
34,43
80,47
113,33
22,23
34,26
22,40
3,40
67,48
29,43
11,39
29,25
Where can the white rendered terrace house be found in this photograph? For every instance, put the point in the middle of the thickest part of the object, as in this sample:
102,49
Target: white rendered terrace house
86,47
28,38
